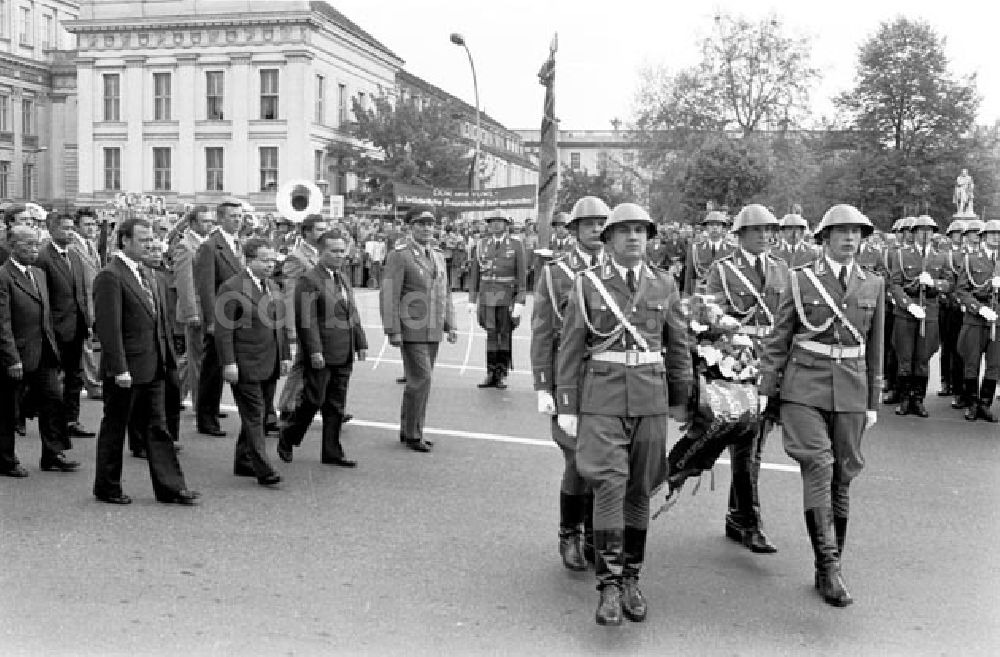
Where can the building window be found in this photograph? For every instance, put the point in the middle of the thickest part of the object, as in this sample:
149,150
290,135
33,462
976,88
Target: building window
602,161
574,161
320,100
28,181
4,113
26,27
318,165
48,34
268,168
27,116
112,97
161,96
113,169
341,104
4,22
213,169
4,179
362,101
161,169
214,85
269,94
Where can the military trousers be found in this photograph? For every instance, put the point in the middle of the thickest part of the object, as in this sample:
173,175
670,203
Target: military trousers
622,458
418,365
194,348
827,447
974,343
90,363
950,323
744,499
913,351
572,482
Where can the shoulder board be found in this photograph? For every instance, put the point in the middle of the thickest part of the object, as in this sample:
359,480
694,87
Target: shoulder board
728,256
802,266
400,247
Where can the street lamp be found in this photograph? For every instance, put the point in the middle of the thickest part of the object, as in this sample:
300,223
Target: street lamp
457,39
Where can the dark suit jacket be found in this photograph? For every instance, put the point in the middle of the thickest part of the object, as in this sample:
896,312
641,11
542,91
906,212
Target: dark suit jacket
133,334
67,292
250,329
25,319
214,264
326,321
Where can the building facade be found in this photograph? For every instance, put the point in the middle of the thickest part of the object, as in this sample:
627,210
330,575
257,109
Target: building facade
194,100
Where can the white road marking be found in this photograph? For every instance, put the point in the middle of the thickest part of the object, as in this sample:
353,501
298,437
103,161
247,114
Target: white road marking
501,438
449,366
381,352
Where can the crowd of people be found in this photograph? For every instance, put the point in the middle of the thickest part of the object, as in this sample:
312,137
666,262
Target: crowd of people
144,313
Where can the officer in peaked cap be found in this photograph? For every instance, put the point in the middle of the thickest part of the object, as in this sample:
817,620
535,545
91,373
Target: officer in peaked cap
576,500
704,253
623,361
747,284
497,290
824,362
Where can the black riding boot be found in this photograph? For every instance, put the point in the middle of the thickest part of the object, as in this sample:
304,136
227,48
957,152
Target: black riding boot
491,371
633,554
918,391
829,581
840,529
972,402
903,386
608,546
986,394
966,395
571,530
588,527
503,366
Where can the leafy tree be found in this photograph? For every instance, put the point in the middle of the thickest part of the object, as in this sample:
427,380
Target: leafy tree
575,184
726,172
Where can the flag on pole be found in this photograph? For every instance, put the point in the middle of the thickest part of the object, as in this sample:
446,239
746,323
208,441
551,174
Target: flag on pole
548,164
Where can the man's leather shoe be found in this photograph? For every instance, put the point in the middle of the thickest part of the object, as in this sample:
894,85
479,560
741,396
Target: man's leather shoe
342,462
211,432
756,541
284,451
418,445
892,397
404,440
983,412
633,603
971,412
946,390
917,408
243,471
76,430
489,382
271,427
115,499
17,472
139,453
960,403
501,383
270,480
183,497
347,418
609,606
59,463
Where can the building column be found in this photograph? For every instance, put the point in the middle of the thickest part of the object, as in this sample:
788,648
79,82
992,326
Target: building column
296,105
240,158
136,169
189,155
86,157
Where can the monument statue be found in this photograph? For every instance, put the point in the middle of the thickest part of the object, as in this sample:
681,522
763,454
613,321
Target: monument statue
964,194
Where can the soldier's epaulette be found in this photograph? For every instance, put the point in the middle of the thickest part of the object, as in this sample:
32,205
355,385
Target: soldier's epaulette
400,247
728,256
802,266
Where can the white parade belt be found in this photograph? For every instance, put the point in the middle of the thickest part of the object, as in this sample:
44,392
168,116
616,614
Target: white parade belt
834,351
631,358
756,331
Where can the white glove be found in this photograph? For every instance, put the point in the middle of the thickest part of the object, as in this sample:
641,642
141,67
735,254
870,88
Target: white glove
925,279
546,404
996,282
871,417
517,310
916,311
987,313
568,423
761,403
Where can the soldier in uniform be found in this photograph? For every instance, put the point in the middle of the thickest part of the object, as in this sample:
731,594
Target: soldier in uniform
562,241
551,295
747,284
824,360
623,361
704,253
950,320
893,392
496,294
793,249
979,293
656,249
917,275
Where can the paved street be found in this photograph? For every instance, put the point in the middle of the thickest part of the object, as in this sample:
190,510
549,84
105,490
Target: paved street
455,552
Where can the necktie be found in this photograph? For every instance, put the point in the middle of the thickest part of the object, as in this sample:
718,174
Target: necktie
630,281
843,277
714,251
65,257
148,289
759,266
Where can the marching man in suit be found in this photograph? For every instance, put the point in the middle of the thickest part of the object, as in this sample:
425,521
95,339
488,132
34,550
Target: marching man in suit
29,356
253,352
189,309
134,330
330,337
747,283
824,361
85,245
623,362
704,253
416,308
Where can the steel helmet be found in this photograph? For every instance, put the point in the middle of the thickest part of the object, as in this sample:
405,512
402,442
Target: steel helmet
991,226
498,216
626,212
794,221
560,219
716,217
844,215
906,223
974,226
754,215
925,221
589,206
957,225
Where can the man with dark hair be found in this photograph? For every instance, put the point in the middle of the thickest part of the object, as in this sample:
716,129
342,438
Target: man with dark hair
134,332
218,260
200,221
72,313
253,350
85,244
29,357
330,335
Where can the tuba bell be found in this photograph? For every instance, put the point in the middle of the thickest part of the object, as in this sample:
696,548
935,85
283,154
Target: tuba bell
297,199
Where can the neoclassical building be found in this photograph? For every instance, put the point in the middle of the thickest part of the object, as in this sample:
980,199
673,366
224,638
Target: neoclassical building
194,100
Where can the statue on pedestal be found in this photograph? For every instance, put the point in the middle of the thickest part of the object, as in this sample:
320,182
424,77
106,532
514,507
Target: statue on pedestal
965,190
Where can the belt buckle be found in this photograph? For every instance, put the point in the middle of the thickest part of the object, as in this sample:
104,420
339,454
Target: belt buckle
837,352
631,357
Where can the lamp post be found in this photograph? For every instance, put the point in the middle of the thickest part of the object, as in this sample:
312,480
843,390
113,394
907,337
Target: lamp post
458,40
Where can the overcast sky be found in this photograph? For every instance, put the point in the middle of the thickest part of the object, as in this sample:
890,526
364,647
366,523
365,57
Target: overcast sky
603,44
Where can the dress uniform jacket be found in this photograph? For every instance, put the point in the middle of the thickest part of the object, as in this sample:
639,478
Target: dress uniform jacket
414,299
614,389
796,256
869,257
844,385
975,286
905,267
499,272
739,300
699,261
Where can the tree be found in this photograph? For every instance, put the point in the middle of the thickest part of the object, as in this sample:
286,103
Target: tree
418,146
575,184
726,172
